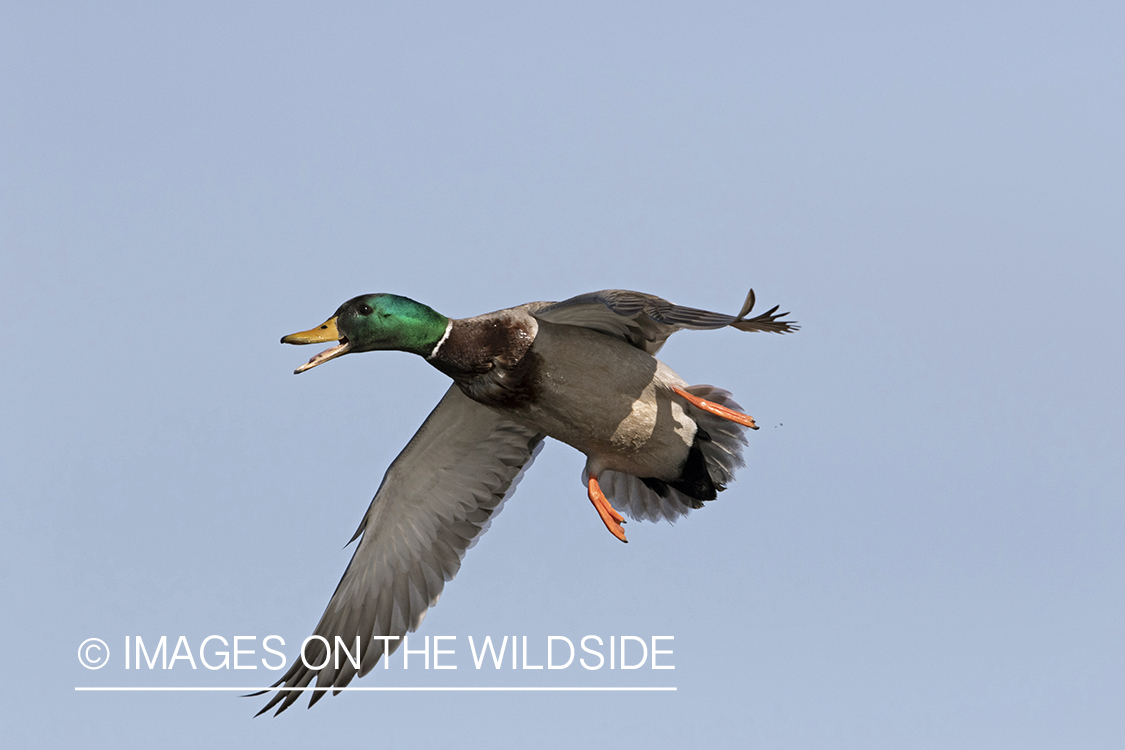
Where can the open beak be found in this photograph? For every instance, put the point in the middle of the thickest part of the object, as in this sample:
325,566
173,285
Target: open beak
322,333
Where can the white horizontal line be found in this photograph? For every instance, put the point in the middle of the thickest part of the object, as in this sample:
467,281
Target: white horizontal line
271,689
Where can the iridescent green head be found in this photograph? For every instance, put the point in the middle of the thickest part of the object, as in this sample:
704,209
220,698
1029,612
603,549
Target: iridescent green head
375,322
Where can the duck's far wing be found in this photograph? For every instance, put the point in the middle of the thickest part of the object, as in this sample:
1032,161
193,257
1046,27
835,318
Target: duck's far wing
436,499
646,321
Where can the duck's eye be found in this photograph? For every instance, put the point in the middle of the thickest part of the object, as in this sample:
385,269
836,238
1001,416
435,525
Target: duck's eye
365,310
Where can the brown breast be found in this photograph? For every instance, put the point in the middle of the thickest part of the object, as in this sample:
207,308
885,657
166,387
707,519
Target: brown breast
491,359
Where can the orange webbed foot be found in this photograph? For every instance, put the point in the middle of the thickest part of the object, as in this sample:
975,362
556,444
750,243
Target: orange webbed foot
610,517
717,409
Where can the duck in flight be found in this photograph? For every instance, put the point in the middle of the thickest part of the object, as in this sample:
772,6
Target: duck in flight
582,371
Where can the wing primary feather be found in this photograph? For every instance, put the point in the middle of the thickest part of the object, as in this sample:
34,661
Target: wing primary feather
747,306
646,321
414,535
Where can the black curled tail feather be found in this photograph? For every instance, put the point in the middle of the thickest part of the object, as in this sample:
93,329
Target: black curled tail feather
694,485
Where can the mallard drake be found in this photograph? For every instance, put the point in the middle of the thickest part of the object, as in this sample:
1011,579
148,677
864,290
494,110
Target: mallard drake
582,371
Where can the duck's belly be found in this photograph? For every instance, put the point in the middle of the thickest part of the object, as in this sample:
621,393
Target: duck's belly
609,400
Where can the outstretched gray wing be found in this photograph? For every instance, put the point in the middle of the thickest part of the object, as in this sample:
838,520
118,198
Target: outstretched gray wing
646,321
436,499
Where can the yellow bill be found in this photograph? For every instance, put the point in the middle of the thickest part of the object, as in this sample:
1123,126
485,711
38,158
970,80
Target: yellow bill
319,335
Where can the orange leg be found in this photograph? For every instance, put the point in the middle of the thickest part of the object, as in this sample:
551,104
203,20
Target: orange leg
610,517
717,409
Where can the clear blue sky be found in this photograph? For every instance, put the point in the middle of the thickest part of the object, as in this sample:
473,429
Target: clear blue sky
927,547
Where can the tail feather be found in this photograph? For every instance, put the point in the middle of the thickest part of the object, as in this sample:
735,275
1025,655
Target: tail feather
719,440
